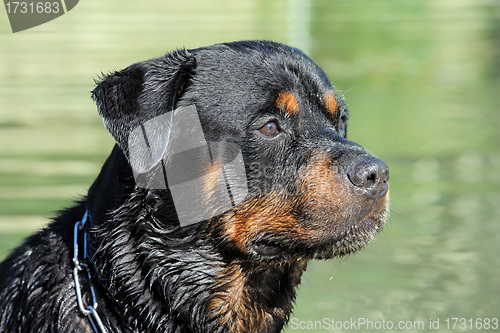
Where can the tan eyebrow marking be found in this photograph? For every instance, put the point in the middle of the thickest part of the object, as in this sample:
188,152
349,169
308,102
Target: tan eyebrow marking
287,102
330,102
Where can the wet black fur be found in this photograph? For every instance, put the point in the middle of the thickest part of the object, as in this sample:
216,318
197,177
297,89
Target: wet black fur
152,275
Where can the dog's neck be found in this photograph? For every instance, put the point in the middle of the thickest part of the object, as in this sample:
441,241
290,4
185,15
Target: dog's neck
189,285
255,299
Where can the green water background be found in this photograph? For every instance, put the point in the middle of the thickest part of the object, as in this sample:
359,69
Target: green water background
421,79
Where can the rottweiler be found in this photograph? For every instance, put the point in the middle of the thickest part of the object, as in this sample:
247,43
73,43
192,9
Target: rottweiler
272,182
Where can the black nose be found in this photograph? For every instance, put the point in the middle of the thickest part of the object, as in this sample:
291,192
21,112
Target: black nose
370,175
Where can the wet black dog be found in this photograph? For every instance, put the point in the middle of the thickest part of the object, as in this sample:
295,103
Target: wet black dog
311,194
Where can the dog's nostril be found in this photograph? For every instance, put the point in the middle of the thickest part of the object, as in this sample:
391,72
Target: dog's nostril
372,178
371,175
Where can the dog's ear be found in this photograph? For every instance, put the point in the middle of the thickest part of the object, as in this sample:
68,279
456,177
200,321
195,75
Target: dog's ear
145,90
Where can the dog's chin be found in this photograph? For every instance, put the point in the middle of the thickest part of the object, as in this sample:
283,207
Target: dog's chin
348,241
352,235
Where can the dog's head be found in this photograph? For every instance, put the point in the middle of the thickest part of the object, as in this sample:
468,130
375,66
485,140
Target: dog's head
294,186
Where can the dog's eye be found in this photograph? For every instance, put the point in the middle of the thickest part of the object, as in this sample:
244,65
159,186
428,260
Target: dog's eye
270,129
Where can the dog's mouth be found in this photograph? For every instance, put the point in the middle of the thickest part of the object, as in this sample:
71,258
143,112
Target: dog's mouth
267,248
274,227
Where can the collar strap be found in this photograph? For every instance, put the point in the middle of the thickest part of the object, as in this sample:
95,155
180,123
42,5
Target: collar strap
80,261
